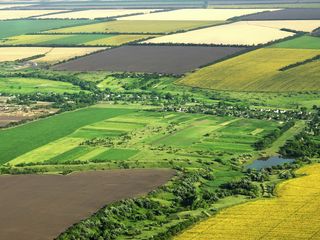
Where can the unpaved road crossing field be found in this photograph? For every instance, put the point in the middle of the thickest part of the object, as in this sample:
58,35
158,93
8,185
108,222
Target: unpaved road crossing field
40,207
152,59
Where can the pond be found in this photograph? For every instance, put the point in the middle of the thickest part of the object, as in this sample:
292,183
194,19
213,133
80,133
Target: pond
270,162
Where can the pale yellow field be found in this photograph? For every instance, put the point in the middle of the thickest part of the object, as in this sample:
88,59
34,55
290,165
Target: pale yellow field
53,55
297,25
118,40
16,53
62,54
92,14
196,14
16,14
240,33
293,215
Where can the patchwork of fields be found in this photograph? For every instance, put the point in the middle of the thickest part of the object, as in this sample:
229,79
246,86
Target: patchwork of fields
135,136
259,70
238,33
17,14
153,59
291,215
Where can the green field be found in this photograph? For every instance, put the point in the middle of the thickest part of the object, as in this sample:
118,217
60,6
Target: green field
20,140
153,27
304,42
72,40
259,71
35,85
19,27
152,138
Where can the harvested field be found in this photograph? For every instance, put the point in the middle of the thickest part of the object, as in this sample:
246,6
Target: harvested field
296,25
153,59
259,71
304,42
5,6
40,207
137,27
92,14
294,214
286,14
16,14
72,40
52,55
196,14
238,33
18,27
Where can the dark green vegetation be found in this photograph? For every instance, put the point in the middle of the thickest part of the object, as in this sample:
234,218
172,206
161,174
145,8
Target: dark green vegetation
19,27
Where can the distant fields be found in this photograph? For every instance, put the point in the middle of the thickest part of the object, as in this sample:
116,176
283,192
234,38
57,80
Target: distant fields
152,59
19,27
137,27
195,14
297,25
238,33
34,85
72,39
259,71
96,13
304,42
293,214
52,55
22,139
138,137
17,14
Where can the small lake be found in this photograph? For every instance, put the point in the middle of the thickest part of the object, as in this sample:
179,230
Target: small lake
270,162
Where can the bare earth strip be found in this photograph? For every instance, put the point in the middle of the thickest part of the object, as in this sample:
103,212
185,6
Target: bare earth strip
40,207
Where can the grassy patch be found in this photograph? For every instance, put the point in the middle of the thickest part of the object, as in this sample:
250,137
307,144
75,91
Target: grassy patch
304,42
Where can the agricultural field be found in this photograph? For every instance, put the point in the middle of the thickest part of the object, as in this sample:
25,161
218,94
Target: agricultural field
238,33
137,137
18,14
287,216
304,42
19,27
73,199
7,6
35,85
43,54
92,14
137,27
195,15
72,40
286,14
296,25
259,70
152,59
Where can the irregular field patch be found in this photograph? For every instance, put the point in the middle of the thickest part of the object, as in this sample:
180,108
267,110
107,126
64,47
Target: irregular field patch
195,14
154,59
291,215
304,42
259,71
238,33
16,14
286,14
35,85
137,27
49,204
52,55
92,14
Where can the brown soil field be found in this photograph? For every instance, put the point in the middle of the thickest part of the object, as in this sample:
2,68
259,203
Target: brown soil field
151,59
286,14
40,207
